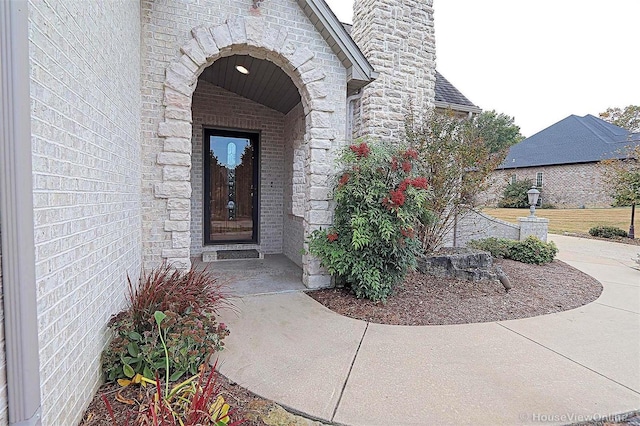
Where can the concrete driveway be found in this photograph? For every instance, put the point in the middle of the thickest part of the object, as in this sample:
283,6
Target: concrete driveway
553,369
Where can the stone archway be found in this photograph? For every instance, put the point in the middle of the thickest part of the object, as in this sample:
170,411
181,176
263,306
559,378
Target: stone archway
248,36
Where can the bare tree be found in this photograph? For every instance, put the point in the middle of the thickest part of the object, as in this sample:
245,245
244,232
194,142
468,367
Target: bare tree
622,179
456,161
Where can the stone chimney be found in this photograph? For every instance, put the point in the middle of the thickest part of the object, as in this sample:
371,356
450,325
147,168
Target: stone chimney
397,37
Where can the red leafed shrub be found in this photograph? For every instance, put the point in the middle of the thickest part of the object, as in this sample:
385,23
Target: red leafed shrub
377,208
456,158
190,301
168,289
197,401
361,150
343,180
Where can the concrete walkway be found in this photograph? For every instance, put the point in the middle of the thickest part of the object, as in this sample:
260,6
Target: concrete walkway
553,369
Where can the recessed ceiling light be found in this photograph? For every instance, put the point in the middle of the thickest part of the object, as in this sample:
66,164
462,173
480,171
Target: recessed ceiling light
242,69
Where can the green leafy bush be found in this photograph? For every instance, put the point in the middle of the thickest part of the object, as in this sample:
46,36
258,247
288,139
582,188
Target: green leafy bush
531,250
498,247
192,334
515,195
607,232
379,196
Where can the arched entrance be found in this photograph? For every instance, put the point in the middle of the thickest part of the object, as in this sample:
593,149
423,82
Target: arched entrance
244,36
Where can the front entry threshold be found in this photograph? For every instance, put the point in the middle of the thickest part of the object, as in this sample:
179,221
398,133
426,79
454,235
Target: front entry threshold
273,274
226,255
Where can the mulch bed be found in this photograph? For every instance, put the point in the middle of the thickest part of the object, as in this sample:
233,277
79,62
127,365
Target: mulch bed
249,406
427,300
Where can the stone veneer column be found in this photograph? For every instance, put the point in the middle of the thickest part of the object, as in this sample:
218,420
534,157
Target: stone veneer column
536,226
249,36
397,37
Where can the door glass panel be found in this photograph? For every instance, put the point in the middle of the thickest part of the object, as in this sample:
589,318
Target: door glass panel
231,191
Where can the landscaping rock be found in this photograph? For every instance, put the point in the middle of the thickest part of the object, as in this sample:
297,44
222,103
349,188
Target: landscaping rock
503,278
461,263
272,414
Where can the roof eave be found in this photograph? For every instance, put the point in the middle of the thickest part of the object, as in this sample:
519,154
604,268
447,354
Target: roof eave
562,163
359,70
457,107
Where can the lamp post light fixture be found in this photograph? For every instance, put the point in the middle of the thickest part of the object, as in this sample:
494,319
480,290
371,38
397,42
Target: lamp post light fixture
533,195
632,234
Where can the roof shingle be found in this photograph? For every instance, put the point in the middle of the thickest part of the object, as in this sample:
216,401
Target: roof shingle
447,96
573,140
447,93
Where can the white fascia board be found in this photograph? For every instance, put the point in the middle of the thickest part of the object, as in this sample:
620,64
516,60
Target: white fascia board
359,67
457,107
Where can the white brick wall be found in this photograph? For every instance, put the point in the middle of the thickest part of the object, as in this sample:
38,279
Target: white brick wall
534,226
85,109
476,226
295,184
214,107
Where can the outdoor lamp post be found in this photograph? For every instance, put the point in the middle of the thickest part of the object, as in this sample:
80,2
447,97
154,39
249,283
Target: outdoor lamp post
633,217
533,195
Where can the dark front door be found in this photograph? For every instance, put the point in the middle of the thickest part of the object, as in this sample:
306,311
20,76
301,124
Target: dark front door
231,187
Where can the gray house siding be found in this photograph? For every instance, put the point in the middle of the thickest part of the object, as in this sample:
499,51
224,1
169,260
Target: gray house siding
3,362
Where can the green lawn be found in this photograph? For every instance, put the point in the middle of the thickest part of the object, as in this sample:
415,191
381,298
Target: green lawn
573,220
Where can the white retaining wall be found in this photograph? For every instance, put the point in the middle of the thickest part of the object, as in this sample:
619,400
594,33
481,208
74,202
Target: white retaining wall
475,225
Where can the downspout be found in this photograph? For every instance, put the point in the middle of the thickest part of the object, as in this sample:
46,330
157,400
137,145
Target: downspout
350,111
16,211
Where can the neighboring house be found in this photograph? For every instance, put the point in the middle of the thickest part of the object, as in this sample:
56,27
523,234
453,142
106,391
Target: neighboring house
562,162
137,132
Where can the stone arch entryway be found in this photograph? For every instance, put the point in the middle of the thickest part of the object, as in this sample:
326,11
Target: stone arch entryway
242,36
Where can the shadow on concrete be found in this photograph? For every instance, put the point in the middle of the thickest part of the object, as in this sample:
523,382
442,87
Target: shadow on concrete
272,275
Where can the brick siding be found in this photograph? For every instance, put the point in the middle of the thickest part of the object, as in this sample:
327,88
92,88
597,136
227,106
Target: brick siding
295,185
85,85
564,186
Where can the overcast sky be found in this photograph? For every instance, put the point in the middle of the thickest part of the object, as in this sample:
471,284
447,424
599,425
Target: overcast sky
538,61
